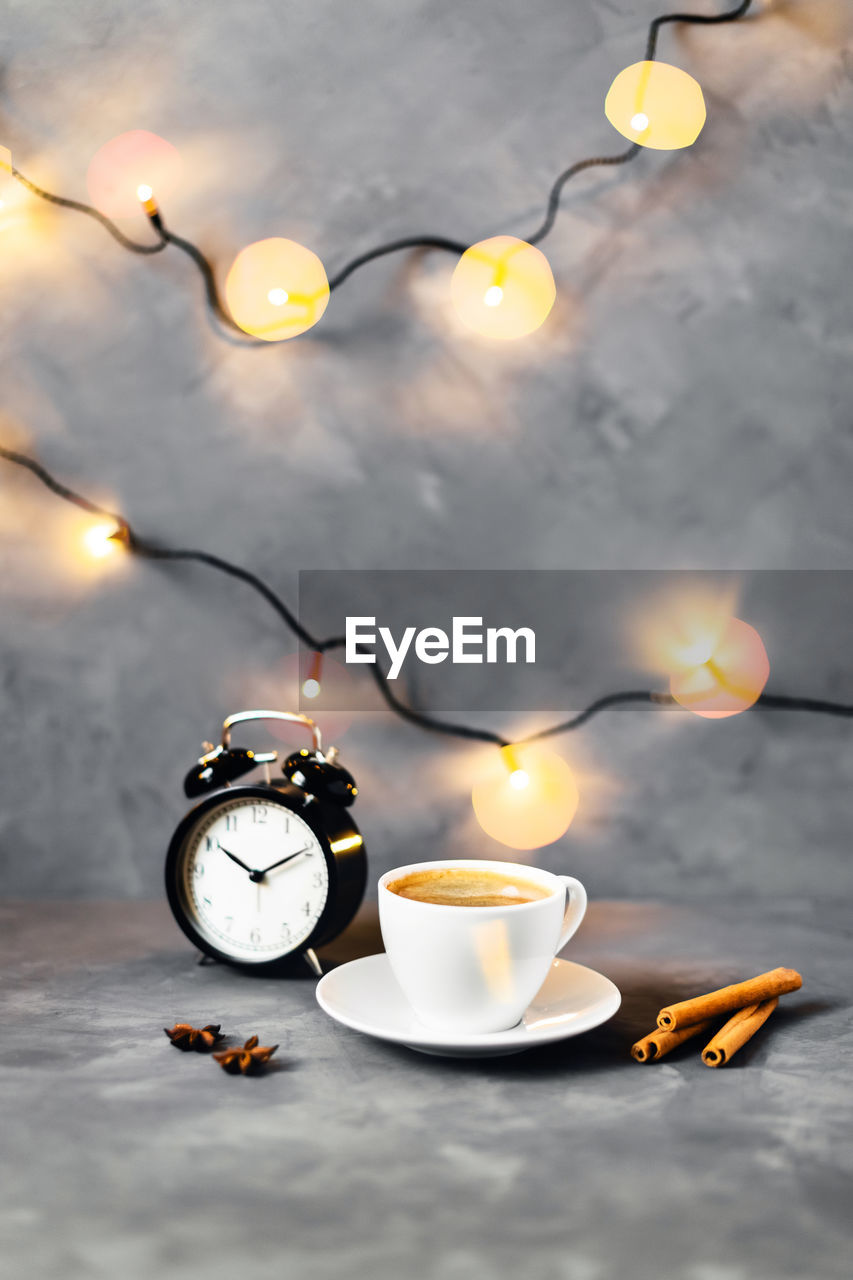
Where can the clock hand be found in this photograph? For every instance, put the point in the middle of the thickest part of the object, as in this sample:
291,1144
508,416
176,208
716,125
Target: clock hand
282,861
234,858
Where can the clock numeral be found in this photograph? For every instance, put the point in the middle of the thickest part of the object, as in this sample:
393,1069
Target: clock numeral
229,920
317,880
255,936
198,870
208,844
259,813
307,908
230,822
285,933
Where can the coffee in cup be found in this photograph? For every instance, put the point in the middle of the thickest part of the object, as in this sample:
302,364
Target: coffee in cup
467,887
470,942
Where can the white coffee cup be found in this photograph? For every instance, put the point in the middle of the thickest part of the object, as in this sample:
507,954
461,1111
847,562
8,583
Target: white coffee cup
476,969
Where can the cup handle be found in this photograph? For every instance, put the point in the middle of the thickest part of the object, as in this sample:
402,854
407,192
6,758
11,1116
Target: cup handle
575,909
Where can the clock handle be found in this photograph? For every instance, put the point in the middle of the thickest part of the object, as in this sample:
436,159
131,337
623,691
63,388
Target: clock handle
240,717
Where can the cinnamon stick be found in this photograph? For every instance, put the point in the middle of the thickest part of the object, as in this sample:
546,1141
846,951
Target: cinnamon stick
736,1032
755,991
659,1043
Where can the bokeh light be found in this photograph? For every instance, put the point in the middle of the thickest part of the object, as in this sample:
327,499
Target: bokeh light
102,540
527,799
276,289
127,165
723,672
656,105
503,288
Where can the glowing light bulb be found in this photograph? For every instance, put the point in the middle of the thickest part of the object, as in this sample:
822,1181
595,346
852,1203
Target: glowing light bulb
311,683
127,170
270,311
528,799
102,540
656,105
727,680
149,204
503,288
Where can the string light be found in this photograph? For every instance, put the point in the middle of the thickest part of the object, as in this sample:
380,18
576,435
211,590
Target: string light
656,105
503,288
276,289
528,799
141,161
525,768
722,673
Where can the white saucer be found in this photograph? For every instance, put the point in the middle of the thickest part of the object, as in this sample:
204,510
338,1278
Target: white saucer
364,995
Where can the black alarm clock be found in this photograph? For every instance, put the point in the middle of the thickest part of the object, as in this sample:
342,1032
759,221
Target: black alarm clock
261,872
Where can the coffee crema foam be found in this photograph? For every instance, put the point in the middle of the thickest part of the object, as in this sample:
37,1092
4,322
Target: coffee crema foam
467,887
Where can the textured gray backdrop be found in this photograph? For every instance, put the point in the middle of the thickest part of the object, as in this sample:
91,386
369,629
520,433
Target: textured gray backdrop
687,404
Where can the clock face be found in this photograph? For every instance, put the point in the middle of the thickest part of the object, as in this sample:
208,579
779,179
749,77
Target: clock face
253,879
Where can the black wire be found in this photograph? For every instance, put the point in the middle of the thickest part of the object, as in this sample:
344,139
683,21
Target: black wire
211,289
155,551
393,246
151,550
780,702
557,190
694,19
55,486
600,704
90,212
457,247
431,723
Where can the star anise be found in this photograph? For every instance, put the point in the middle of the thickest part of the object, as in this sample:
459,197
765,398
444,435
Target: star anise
202,1039
245,1060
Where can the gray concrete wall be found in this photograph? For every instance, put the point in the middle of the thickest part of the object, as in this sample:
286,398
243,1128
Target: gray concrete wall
687,405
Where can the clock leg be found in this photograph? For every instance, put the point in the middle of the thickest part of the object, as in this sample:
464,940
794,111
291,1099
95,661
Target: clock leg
310,958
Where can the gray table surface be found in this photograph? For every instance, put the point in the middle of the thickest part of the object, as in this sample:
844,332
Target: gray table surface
124,1157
